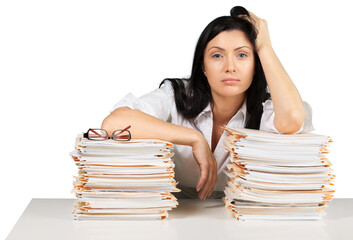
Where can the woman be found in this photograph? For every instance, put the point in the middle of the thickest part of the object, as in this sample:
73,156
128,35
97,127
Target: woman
233,65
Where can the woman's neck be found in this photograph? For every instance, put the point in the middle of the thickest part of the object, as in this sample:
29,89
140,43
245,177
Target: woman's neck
224,109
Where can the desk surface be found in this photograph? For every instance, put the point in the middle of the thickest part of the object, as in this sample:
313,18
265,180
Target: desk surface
192,219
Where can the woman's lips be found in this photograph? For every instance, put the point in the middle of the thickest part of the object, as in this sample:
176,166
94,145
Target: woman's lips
230,80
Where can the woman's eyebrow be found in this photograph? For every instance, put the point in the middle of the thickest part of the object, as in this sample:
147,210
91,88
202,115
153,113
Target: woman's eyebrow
224,49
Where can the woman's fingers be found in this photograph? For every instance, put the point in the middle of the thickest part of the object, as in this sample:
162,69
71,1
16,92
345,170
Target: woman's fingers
208,168
263,36
214,181
202,194
207,190
204,169
209,187
211,181
252,15
205,187
253,18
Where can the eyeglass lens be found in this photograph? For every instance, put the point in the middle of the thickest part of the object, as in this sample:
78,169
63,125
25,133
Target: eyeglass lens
97,134
121,135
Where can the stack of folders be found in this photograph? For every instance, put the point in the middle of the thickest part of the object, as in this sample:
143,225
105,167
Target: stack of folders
124,180
277,176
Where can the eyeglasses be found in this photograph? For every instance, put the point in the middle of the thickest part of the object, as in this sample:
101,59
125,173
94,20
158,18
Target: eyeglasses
101,134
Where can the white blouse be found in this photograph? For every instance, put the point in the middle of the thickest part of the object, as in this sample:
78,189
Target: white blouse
160,103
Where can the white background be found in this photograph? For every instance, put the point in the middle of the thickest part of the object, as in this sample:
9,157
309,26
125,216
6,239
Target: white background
64,64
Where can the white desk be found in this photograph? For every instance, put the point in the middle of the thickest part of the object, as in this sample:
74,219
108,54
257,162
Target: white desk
192,219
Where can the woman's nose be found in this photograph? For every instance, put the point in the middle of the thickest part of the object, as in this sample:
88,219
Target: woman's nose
230,67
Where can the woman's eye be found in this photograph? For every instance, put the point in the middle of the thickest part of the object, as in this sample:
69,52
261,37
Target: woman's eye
242,55
217,55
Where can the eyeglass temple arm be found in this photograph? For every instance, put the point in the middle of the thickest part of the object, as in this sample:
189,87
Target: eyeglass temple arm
125,129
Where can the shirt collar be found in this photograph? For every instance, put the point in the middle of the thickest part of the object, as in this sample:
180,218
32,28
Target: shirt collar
205,112
208,110
242,111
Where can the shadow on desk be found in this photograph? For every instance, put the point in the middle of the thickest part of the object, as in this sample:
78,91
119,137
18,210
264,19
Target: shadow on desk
206,208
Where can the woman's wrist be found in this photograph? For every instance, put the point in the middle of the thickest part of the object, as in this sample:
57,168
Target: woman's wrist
265,50
196,138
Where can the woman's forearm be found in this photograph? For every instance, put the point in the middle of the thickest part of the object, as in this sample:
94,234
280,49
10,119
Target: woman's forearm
287,103
146,126
149,127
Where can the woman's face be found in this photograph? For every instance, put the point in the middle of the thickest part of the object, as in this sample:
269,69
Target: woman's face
229,63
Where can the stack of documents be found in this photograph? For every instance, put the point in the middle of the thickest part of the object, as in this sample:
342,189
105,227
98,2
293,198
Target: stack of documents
124,180
277,176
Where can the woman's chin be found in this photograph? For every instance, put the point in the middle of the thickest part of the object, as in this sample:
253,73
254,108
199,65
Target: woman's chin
230,93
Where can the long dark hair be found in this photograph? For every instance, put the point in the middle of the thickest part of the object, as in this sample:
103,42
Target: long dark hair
191,100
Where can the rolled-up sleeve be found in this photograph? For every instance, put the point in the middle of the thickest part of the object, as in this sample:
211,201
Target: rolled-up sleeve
268,116
157,103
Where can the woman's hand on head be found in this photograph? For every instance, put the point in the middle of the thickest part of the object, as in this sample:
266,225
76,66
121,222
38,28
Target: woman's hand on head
263,36
208,168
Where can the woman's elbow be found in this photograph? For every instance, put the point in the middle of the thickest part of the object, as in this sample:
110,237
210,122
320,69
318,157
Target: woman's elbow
292,123
113,120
